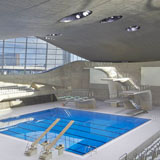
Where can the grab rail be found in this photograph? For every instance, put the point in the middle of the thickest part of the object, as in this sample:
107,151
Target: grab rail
123,157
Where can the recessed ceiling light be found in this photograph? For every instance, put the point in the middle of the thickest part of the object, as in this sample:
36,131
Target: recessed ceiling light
76,16
52,36
133,28
49,38
110,19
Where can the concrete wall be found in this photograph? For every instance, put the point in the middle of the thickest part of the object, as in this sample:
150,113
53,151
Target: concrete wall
75,76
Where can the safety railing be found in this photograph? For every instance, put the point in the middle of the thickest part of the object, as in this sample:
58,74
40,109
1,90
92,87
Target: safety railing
149,153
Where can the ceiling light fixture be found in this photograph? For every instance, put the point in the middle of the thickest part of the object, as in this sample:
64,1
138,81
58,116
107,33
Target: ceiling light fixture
133,28
110,19
52,36
75,16
49,38
78,16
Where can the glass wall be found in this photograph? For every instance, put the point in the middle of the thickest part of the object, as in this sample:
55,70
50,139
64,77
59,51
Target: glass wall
31,55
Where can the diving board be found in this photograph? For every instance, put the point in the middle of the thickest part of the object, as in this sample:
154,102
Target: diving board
33,149
47,154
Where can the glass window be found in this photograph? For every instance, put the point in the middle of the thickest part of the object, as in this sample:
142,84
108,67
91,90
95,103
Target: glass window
51,57
75,58
59,62
21,40
40,62
16,55
33,51
32,40
41,51
51,66
52,52
1,43
41,46
30,62
40,56
51,46
22,56
30,45
9,61
9,50
31,56
20,45
20,50
9,44
51,61
21,62
59,56
40,41
1,61
10,40
7,55
59,51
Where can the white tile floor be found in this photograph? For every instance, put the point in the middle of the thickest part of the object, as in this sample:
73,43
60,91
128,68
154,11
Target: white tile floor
13,148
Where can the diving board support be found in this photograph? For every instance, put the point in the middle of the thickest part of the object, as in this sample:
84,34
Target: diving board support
33,149
47,154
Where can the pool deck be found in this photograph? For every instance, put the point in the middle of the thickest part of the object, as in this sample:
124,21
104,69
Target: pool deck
13,148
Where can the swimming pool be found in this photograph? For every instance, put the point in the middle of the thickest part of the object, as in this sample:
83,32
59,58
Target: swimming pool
89,131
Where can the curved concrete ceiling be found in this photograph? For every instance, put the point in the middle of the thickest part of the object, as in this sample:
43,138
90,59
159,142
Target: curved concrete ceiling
87,37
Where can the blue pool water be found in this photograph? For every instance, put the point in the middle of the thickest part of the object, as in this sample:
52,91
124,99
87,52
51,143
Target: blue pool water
89,131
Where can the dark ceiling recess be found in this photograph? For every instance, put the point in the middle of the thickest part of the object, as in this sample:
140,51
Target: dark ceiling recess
110,19
52,36
76,16
133,28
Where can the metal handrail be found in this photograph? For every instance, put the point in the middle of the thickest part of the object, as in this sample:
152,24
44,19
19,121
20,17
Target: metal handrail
123,157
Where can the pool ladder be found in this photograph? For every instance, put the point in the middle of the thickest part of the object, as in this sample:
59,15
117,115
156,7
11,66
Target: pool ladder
92,152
